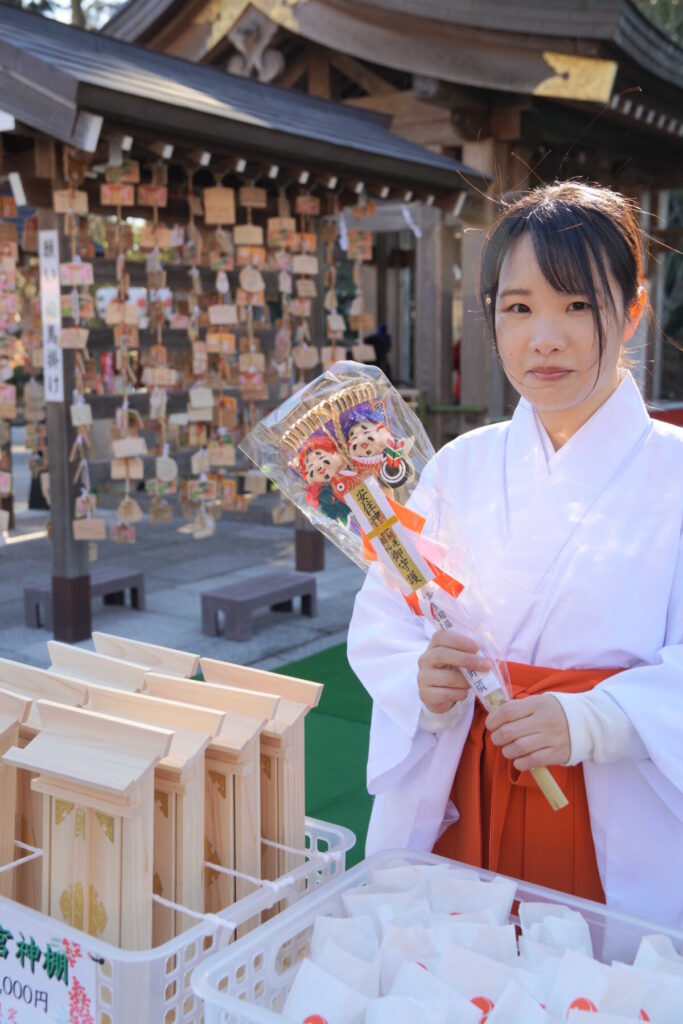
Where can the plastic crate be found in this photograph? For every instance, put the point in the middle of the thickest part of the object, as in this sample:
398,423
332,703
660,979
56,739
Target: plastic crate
154,986
249,981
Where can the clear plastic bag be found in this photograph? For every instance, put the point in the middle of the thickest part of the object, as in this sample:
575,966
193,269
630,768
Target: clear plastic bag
351,455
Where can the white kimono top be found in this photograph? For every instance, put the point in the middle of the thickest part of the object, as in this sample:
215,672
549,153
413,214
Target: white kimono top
579,554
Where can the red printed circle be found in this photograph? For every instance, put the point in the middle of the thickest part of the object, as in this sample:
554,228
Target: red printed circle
484,1004
314,1018
582,1003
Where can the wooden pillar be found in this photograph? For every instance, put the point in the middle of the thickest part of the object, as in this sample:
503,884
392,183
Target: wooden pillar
71,614
433,311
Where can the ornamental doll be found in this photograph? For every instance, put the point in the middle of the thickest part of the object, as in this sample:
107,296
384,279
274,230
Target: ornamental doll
327,473
374,450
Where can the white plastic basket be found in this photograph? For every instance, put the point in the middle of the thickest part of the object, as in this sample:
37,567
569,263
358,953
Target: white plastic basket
249,981
154,986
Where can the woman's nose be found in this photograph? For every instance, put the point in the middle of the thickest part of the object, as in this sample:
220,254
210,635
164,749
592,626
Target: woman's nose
547,337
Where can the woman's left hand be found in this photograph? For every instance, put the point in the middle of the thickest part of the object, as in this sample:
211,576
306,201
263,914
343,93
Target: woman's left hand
532,731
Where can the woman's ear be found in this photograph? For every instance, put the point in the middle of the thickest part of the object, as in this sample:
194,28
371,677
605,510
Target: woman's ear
635,313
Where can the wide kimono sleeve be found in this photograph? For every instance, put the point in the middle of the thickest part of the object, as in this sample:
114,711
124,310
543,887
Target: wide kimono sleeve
410,768
652,697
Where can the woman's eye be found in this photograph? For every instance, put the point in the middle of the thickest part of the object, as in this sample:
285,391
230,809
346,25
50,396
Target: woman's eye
579,306
517,307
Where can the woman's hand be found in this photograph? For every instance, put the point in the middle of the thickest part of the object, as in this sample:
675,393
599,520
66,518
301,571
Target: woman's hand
532,731
439,681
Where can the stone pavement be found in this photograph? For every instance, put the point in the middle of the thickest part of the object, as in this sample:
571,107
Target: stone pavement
177,569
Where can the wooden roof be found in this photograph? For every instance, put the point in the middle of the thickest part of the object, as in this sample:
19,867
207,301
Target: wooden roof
617,23
63,81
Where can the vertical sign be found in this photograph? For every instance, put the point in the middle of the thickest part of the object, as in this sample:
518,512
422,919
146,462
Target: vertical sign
51,314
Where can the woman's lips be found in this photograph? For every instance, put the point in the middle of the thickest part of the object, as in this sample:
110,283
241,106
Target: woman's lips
550,374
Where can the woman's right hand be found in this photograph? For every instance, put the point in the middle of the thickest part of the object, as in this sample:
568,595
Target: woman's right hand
440,682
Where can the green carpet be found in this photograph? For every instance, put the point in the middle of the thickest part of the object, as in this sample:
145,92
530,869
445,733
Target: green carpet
337,733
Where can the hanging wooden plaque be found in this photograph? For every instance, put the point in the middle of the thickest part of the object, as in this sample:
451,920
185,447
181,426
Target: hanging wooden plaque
73,337
305,265
223,313
90,529
117,195
219,205
75,274
305,288
153,195
128,172
253,198
67,200
307,206
247,234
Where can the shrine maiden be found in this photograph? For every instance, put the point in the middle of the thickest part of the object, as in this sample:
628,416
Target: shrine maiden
571,514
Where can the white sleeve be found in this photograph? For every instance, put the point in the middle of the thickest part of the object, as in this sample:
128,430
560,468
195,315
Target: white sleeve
599,730
433,721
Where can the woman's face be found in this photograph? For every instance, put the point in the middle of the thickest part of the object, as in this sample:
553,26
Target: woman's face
547,340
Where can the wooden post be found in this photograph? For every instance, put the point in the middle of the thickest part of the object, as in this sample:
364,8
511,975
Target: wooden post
434,258
97,824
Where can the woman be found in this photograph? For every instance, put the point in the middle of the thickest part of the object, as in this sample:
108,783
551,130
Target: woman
572,516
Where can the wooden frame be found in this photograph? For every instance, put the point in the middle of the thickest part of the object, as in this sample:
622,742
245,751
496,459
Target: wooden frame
178,799
13,711
95,668
96,777
36,684
233,800
156,658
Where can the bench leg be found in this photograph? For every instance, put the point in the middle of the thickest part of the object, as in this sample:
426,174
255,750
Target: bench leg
31,612
209,619
137,597
283,606
238,624
309,604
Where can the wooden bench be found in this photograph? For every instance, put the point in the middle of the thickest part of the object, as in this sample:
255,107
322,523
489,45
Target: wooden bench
109,583
238,601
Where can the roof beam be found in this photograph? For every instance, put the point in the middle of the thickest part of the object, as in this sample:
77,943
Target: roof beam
358,73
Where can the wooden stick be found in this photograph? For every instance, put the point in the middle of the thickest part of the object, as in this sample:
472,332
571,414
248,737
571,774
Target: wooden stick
156,658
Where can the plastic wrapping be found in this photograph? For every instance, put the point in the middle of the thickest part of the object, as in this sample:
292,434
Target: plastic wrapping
351,455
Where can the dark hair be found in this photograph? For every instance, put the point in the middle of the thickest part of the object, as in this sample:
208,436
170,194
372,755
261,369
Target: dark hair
577,232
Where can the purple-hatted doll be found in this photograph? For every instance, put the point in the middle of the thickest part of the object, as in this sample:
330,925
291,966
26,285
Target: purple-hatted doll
374,450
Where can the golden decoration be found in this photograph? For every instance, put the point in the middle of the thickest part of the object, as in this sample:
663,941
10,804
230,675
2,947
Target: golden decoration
578,78
157,887
219,781
267,766
161,799
71,905
79,828
107,823
27,833
211,857
97,915
62,809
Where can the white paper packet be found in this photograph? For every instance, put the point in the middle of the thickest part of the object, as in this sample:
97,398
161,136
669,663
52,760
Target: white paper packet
419,983
582,983
657,953
326,927
352,958
402,945
407,876
468,895
556,926
474,976
582,1017
499,942
516,1005
315,991
662,998
365,899
405,1010
418,914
